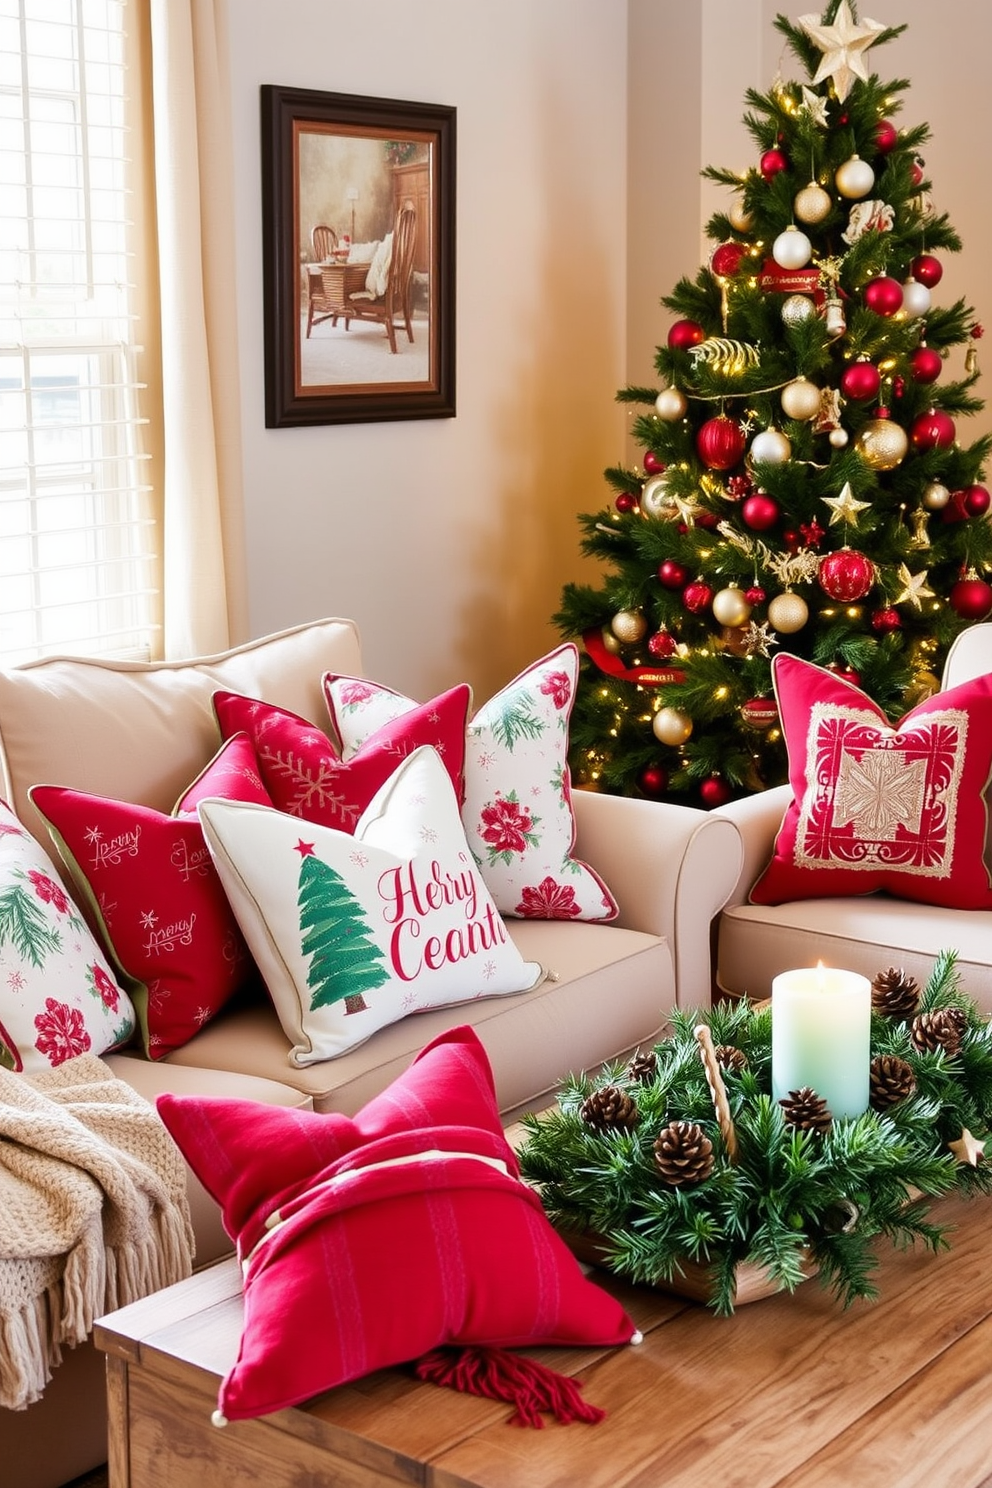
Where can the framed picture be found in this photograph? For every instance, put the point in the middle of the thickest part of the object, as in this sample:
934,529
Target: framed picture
358,201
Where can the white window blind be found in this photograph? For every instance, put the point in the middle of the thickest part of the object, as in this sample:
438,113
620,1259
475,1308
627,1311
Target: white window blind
78,570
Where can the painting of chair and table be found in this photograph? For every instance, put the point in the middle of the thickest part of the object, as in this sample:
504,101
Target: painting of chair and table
365,248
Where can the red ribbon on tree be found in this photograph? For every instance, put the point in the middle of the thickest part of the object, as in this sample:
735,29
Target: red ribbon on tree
649,676
773,279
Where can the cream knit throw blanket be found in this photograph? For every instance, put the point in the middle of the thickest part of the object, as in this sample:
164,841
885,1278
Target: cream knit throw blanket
93,1213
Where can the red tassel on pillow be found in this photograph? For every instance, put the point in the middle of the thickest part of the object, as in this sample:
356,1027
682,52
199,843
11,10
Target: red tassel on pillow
497,1374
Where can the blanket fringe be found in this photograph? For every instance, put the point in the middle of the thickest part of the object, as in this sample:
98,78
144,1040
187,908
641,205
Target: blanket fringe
30,1348
497,1374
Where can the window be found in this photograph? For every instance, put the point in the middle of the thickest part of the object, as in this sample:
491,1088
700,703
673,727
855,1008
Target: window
78,567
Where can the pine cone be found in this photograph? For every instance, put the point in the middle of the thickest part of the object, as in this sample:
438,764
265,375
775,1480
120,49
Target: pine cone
891,1080
642,1067
894,994
942,1029
729,1058
683,1153
806,1111
609,1107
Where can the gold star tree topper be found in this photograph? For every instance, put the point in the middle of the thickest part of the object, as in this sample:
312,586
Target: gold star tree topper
843,46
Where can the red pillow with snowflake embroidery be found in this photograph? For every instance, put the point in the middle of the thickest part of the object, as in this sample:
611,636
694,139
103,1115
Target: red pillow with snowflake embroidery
155,897
517,810
880,806
307,778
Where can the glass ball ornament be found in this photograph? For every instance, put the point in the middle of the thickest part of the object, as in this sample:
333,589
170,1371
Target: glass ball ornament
725,259
671,726
934,429
846,575
685,333
653,780
936,496
796,309
838,438
883,622
792,249
772,162
697,597
629,626
971,597
720,443
854,178
915,298
927,269
925,364
656,500
771,447
626,502
788,612
672,575
812,204
759,712
740,218
882,443
652,464
610,642
671,405
759,512
730,607
976,500
886,136
861,382
662,645
883,295
801,400
714,791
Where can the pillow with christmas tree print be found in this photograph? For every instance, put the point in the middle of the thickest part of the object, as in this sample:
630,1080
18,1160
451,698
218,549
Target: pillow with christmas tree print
58,995
306,776
900,807
368,1241
353,931
155,898
517,809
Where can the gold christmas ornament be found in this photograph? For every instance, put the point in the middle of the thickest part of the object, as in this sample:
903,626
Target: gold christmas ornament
812,204
935,496
671,405
610,642
845,507
882,444
671,726
730,607
788,612
740,218
628,626
801,399
656,500
838,438
797,308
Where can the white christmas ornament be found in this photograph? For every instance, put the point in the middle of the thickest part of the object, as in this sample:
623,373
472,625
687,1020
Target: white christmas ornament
771,447
656,502
854,178
915,298
670,405
792,249
801,399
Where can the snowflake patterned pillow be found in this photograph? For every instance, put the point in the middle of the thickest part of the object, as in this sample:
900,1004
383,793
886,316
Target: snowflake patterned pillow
900,807
155,897
306,776
352,932
517,809
58,995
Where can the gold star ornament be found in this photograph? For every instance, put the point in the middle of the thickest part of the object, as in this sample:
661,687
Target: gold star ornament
843,46
967,1149
915,587
845,507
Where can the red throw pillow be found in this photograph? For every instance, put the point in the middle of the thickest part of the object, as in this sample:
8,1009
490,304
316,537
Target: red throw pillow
367,1241
306,777
879,806
154,895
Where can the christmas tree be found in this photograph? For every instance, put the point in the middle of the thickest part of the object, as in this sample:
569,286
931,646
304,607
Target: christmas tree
345,961
804,486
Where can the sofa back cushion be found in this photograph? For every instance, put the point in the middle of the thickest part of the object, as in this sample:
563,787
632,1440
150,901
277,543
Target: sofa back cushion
141,731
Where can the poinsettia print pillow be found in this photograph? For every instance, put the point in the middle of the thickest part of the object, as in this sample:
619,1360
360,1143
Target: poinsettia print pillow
517,810
58,995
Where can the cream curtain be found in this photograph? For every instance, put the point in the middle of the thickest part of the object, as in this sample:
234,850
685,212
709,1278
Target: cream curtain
204,607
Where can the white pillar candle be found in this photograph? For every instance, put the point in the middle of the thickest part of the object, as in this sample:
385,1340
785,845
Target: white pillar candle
821,1036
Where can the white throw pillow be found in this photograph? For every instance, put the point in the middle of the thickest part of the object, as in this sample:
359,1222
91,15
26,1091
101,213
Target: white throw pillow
352,932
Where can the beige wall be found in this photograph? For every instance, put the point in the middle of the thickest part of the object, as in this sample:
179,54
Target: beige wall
579,205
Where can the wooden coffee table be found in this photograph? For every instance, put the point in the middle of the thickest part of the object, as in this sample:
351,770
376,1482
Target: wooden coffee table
791,1391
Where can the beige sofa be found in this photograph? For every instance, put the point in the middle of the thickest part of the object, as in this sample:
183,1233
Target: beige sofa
867,934
143,732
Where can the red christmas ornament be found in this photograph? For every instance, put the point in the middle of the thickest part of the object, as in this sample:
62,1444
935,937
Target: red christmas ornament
671,574
845,673
883,295
886,136
927,270
898,386
726,259
846,575
662,644
759,512
720,443
916,174
714,791
739,486
755,595
933,430
861,381
772,162
885,620
812,533
653,780
685,333
925,365
706,519
652,465
971,598
976,501
759,713
697,597
955,510
625,502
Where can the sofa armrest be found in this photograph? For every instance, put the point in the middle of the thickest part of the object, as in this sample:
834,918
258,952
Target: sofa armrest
757,819
670,869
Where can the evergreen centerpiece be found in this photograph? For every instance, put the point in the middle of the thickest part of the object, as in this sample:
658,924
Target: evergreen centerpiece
683,1155
804,482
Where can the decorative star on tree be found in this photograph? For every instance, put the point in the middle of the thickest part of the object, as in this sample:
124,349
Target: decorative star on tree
915,587
843,46
967,1149
815,106
757,640
844,508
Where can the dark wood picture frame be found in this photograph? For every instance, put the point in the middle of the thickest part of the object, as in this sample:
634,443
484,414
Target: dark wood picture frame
359,321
